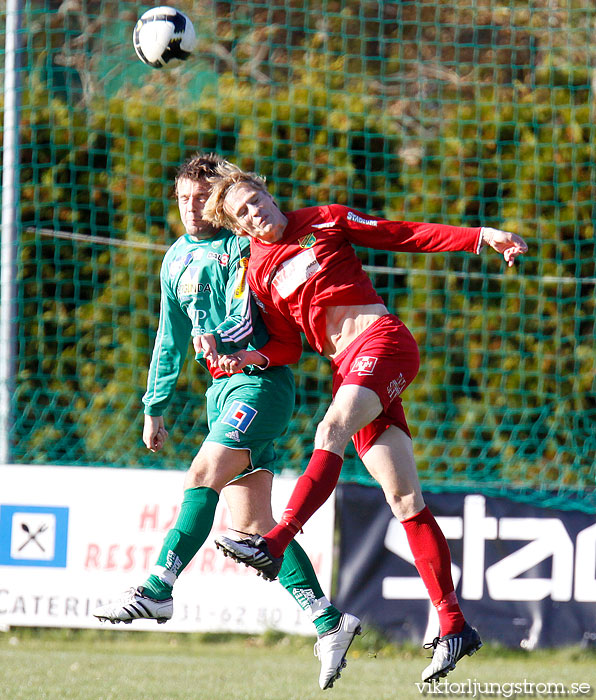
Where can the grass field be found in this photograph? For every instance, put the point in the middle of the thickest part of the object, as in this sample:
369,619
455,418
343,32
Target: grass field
110,665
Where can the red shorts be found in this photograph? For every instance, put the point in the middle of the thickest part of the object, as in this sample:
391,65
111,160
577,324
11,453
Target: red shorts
384,359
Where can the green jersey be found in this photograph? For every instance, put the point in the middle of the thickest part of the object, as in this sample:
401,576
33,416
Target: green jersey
203,290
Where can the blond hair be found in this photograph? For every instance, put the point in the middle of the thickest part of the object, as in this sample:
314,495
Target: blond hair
226,178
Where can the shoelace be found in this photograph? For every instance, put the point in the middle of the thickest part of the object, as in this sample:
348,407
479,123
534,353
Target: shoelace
333,630
240,532
435,643
432,644
129,594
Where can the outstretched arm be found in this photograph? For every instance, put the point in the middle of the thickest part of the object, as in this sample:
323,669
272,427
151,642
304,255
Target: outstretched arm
510,245
418,237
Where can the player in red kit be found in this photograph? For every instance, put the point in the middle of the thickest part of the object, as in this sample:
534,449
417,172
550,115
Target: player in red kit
307,278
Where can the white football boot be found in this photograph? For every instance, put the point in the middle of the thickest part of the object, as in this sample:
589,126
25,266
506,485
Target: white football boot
135,605
331,649
448,650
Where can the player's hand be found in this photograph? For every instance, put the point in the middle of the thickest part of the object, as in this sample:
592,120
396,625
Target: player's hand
235,362
510,245
154,433
240,359
206,344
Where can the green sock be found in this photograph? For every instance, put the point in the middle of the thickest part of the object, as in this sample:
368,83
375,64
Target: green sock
183,541
298,577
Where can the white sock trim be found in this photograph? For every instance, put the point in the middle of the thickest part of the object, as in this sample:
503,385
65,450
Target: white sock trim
318,608
164,575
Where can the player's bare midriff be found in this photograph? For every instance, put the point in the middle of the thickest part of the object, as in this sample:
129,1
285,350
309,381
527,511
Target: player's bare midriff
345,323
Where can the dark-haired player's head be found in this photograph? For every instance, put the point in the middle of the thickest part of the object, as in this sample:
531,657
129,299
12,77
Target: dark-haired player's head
191,186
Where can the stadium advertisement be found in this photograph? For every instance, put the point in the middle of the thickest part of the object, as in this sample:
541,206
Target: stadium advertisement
74,538
525,576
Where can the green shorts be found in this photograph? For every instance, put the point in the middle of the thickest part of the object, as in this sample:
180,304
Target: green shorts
249,411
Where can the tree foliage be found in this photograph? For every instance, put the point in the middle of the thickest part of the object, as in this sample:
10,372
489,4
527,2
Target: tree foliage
419,111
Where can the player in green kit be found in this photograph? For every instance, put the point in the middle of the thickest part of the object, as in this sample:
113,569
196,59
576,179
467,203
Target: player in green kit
204,295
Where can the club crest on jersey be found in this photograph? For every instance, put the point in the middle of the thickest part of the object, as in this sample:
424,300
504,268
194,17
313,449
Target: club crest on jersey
365,364
307,241
240,415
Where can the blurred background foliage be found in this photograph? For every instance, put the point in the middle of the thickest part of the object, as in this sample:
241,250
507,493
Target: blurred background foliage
414,110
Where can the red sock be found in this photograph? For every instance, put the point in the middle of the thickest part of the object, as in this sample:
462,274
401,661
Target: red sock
312,489
433,561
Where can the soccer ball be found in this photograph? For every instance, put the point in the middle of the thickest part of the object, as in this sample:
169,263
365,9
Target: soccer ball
162,34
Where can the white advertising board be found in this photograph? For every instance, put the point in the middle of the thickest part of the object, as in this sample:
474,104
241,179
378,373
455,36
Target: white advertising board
73,538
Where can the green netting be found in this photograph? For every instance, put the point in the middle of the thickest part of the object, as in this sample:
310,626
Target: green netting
419,110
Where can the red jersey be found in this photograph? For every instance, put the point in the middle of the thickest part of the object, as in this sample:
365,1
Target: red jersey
314,265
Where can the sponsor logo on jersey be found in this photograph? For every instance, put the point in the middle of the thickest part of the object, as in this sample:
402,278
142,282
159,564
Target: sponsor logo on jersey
307,241
294,272
233,435
189,282
180,262
240,415
325,224
365,364
241,277
197,316
186,287
396,386
222,258
360,220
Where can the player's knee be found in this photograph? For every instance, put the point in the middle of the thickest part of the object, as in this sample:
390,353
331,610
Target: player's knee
332,435
405,505
202,472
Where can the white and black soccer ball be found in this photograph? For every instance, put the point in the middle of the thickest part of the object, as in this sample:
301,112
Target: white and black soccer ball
163,34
